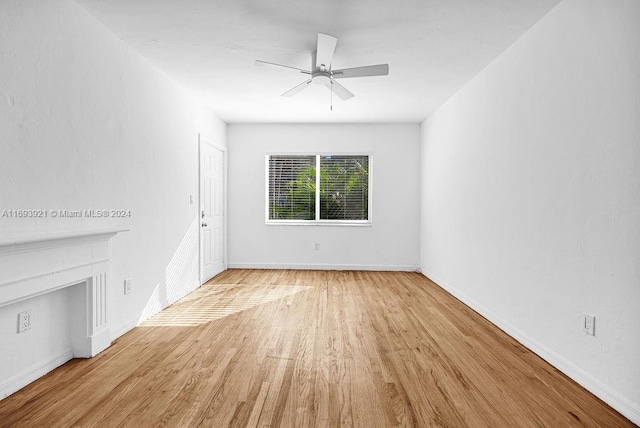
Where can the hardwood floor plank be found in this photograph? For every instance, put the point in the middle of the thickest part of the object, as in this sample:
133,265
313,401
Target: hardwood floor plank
311,349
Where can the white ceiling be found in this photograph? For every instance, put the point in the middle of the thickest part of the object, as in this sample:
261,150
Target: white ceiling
433,47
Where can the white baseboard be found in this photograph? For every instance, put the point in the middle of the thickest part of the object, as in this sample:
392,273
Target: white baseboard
305,266
626,407
123,328
23,379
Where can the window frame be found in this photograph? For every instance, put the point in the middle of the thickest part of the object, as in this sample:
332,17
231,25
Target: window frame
317,221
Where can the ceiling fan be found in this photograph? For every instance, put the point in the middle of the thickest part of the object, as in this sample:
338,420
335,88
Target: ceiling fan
321,72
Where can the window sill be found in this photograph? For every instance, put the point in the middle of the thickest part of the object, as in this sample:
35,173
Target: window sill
354,223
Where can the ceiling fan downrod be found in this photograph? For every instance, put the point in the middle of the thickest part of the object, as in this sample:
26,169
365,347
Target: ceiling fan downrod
331,107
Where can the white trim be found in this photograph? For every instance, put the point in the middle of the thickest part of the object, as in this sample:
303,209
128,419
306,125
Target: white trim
355,223
199,208
318,188
370,189
311,266
320,153
45,241
124,328
266,187
23,379
620,403
210,141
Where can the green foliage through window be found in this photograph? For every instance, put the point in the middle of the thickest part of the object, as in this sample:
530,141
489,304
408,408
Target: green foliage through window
343,185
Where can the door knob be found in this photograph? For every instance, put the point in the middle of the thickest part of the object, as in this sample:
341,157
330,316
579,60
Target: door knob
204,224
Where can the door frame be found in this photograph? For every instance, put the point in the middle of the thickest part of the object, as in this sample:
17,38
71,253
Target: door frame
204,139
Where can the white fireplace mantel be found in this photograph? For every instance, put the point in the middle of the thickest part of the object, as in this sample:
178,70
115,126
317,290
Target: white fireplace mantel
38,265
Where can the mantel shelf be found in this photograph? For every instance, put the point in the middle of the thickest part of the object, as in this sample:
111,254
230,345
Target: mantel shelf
80,234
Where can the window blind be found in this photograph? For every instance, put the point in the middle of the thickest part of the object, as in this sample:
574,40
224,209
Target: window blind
292,187
344,187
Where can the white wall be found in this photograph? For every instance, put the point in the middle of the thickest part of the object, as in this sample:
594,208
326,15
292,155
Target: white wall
531,194
391,243
86,123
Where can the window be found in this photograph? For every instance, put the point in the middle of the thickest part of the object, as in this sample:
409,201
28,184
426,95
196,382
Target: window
339,194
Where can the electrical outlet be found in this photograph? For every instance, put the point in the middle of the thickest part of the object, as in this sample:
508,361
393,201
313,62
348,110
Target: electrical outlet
128,286
317,246
24,321
589,324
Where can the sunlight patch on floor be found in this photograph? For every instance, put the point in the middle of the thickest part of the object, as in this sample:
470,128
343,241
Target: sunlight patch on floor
210,303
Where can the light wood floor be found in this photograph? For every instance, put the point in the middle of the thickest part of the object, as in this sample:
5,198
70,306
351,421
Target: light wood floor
311,348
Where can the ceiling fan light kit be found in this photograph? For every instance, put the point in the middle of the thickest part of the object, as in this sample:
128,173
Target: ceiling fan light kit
321,72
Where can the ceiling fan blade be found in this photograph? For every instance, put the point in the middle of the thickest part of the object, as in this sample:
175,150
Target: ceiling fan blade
367,70
291,92
326,47
261,63
339,90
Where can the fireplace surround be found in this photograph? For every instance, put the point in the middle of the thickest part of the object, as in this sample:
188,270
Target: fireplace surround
79,261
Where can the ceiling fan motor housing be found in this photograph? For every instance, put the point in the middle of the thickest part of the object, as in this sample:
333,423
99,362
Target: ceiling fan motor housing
320,74
320,77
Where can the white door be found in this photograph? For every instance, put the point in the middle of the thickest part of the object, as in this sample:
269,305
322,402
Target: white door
211,211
